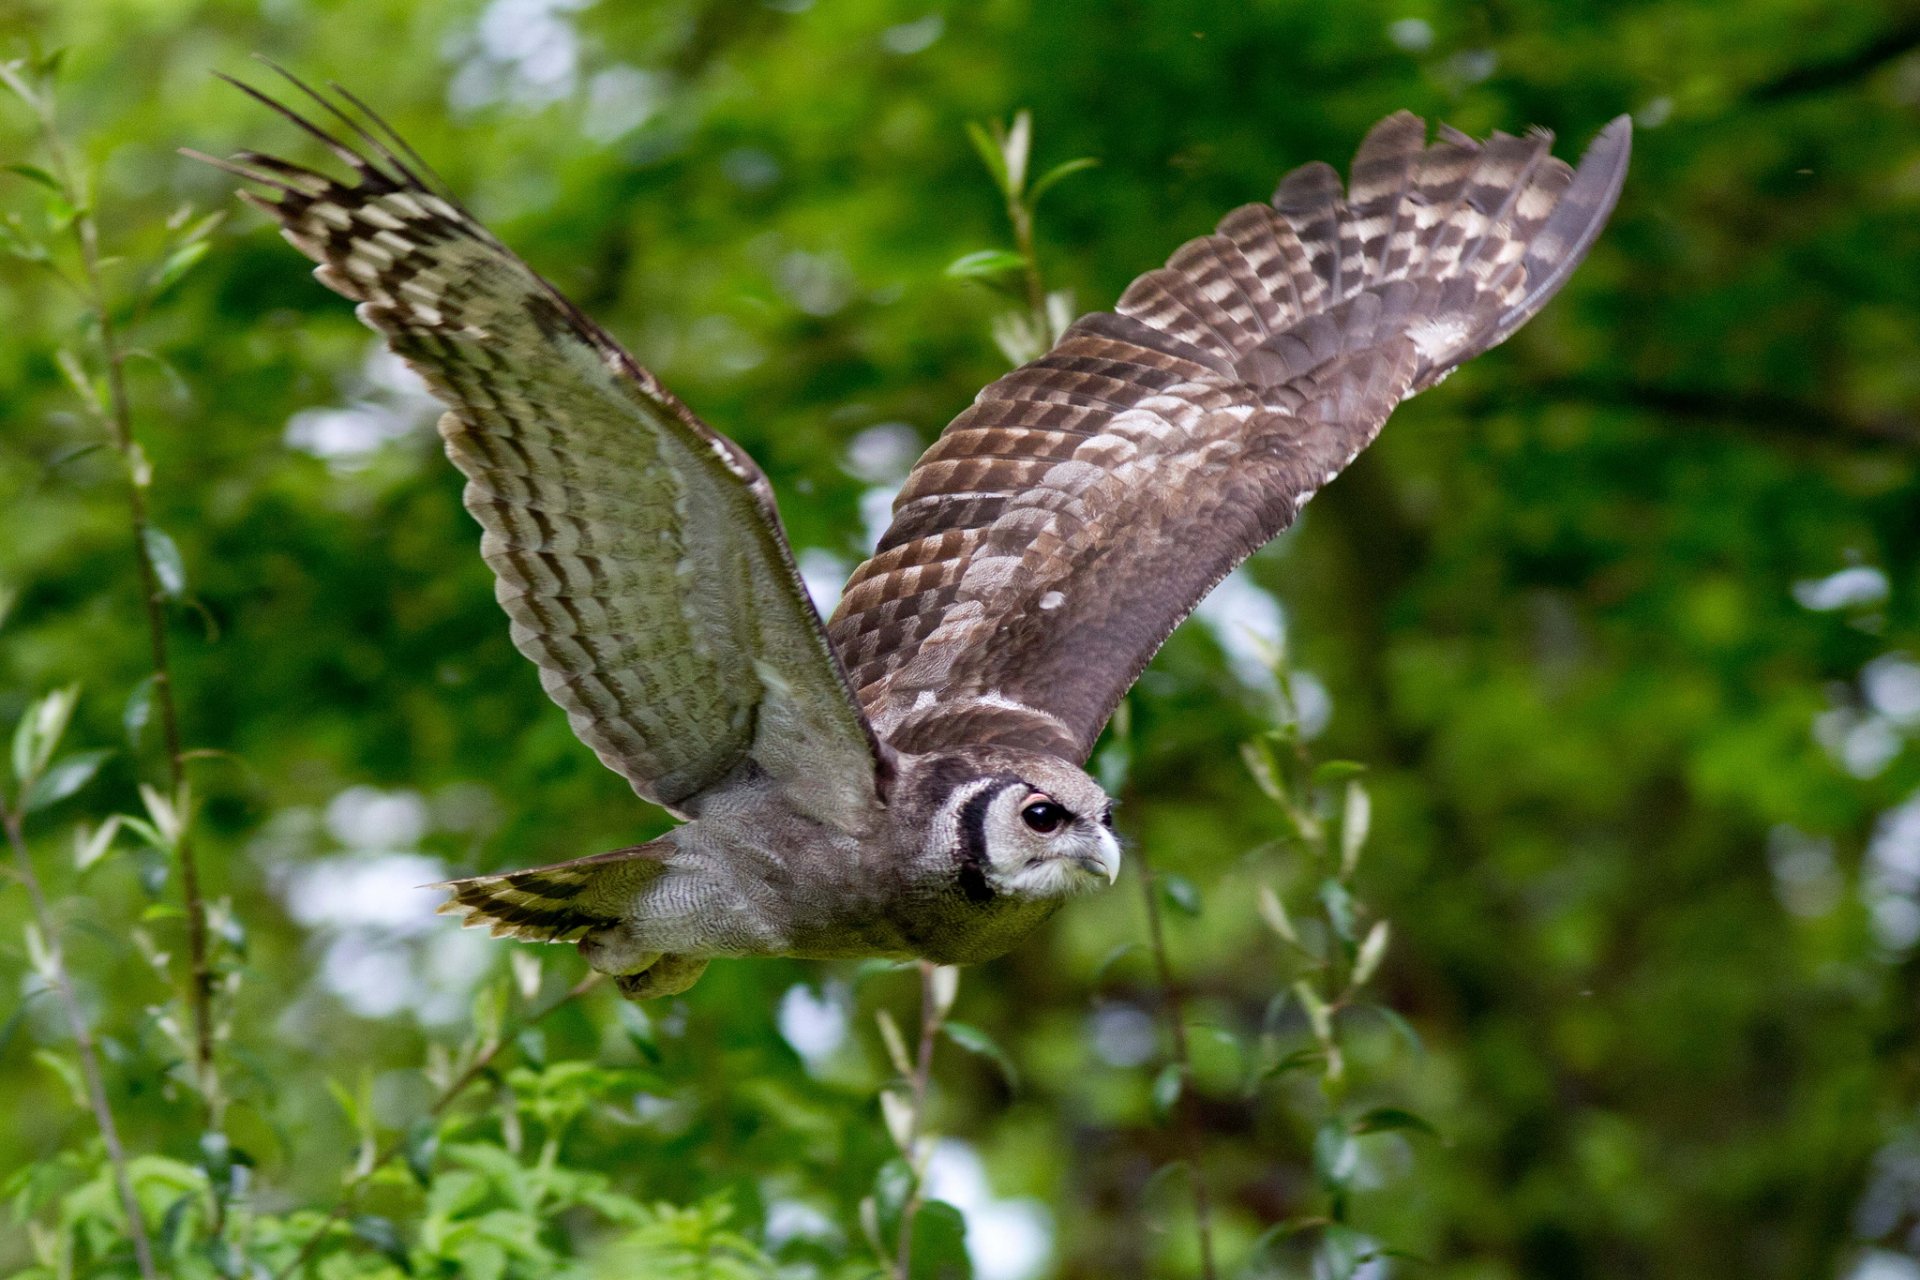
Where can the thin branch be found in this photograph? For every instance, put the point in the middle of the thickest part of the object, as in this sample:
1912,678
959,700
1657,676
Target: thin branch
1817,77
119,422
83,1041
460,1084
1176,1015
930,1019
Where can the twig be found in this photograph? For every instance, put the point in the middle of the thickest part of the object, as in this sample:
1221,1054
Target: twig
447,1097
930,1018
119,422
83,1041
1175,1011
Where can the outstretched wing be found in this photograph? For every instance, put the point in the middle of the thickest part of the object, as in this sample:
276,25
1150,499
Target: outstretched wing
1062,526
637,552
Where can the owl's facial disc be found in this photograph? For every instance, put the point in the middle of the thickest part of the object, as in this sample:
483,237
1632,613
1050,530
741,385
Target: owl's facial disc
1054,841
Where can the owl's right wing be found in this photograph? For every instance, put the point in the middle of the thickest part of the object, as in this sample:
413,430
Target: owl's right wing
1062,526
637,552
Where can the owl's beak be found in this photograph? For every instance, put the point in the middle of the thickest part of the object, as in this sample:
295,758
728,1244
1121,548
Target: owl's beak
1105,859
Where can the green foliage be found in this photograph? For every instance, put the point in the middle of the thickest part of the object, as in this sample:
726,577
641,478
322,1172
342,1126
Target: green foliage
1620,618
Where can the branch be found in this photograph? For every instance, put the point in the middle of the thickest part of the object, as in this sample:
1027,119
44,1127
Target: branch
118,419
1835,73
460,1084
56,965
933,1011
1175,1010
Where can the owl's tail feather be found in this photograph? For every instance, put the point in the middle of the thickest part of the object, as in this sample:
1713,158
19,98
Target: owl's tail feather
557,903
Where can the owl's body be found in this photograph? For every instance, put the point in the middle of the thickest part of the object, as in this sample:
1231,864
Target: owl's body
905,780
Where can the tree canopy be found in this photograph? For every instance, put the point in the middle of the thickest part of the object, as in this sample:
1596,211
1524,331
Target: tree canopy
1621,626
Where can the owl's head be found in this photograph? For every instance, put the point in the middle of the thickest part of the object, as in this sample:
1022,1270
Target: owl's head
1019,825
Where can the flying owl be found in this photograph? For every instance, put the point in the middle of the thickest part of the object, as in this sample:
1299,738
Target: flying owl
906,780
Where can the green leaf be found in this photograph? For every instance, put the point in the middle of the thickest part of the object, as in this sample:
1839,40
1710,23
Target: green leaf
1393,1119
177,264
974,1040
1181,893
1120,952
38,733
66,776
1064,169
989,149
1342,1250
940,1243
1328,772
1167,1087
1399,1026
169,570
138,712
985,262
384,1236
33,173
69,1074
1355,818
1339,906
421,1145
1336,1156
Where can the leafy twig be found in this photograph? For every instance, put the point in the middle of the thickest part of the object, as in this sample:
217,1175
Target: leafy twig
154,553
1181,1104
937,989
478,1068
34,744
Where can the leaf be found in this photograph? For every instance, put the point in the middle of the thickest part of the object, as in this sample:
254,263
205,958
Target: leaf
985,262
989,149
1065,168
1016,145
39,731
33,173
1328,772
1274,912
177,264
902,1121
639,1028
63,779
896,1044
384,1236
945,988
1298,1060
974,1040
1339,907
1355,818
1336,1156
135,716
1181,893
1342,1249
1391,1120
1372,951
1120,952
421,1145
169,570
940,1243
1400,1027
1167,1087
69,1074
1318,1014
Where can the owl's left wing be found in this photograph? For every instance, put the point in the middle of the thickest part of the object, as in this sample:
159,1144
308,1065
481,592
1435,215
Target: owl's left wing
1062,526
637,552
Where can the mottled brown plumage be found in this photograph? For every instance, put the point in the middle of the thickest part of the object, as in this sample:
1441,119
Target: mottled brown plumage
906,781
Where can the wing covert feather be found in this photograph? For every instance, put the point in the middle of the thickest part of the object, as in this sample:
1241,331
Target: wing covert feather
1066,522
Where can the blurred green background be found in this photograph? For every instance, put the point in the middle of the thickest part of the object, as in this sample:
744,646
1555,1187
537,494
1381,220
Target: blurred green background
1622,619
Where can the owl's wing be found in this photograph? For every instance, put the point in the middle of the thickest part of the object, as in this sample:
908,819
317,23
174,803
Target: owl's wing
1062,526
638,553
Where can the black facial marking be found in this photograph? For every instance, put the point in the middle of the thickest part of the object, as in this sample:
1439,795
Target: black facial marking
973,844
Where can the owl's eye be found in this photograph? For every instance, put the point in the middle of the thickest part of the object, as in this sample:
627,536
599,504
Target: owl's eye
1044,816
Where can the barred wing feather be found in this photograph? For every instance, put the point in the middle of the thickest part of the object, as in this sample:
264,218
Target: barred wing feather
637,553
1061,527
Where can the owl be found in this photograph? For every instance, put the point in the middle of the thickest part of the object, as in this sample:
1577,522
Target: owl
905,780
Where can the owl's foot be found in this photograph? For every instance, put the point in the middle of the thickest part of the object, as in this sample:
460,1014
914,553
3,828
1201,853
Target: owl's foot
667,976
640,975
